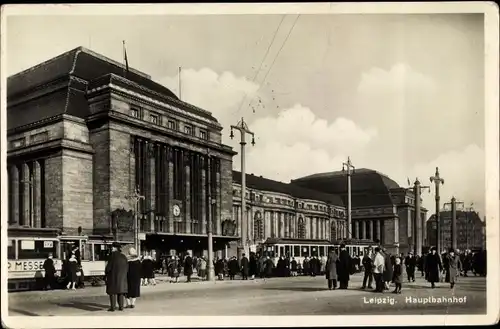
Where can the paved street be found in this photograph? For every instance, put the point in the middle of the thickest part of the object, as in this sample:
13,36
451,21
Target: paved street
277,296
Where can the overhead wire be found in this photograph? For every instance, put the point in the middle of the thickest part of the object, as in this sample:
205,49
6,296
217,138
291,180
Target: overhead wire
263,59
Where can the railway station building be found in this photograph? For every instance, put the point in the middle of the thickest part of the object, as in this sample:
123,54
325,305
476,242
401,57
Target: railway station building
85,133
380,208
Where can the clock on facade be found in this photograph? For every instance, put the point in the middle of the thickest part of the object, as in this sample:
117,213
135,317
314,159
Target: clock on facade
177,210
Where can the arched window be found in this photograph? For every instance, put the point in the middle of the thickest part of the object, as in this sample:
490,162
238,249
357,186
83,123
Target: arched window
301,229
333,231
258,227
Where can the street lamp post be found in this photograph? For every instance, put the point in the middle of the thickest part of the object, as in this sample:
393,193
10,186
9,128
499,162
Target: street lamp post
135,198
419,222
437,180
347,166
210,265
453,205
242,127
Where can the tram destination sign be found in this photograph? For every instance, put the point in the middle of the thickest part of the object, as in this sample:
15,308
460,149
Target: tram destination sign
28,265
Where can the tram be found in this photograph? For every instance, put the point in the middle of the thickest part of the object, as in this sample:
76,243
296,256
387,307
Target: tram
27,254
301,248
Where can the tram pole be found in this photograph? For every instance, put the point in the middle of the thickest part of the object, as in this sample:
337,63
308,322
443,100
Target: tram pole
347,166
136,197
210,265
242,127
437,180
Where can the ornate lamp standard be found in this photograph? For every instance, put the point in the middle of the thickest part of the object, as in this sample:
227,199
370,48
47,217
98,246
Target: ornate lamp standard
453,205
437,180
347,166
242,127
211,202
135,198
419,222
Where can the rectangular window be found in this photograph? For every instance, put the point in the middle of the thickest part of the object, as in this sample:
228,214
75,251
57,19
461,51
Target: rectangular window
296,251
11,249
154,118
135,112
38,249
172,125
203,134
188,130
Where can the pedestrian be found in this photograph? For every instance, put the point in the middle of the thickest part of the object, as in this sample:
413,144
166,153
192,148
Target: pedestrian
116,277
387,269
343,267
148,270
188,267
294,266
378,270
72,269
268,265
252,270
244,267
368,269
305,266
233,267
454,267
203,268
331,270
219,269
433,267
133,278
397,275
410,264
50,273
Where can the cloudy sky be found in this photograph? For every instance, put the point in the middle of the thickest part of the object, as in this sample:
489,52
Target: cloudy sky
400,94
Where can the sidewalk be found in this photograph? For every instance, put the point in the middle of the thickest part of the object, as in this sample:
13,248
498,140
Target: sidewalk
163,284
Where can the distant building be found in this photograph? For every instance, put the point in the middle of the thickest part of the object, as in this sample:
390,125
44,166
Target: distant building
284,210
470,230
381,209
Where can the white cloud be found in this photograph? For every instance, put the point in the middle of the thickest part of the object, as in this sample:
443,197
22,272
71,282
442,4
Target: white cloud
295,142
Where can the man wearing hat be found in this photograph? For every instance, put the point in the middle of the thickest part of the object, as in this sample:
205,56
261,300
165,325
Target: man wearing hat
116,277
344,267
454,267
433,267
411,264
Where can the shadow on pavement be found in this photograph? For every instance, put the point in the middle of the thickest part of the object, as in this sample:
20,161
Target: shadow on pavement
89,307
302,289
23,312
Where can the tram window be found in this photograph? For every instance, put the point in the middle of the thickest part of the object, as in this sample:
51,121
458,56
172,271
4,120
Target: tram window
275,252
11,249
39,249
321,251
101,251
282,251
287,251
296,250
314,251
305,251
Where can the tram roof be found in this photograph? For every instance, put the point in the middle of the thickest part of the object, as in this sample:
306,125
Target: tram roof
296,241
265,184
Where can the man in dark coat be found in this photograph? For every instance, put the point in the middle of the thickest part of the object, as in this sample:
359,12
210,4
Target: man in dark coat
368,268
116,277
252,266
388,271
244,267
331,270
343,267
433,267
50,273
411,264
188,267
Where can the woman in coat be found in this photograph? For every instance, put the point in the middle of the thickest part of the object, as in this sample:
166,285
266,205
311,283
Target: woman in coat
133,278
433,267
148,270
72,269
454,267
388,270
331,270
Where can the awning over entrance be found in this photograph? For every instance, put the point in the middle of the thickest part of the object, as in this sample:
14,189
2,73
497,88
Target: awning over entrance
182,242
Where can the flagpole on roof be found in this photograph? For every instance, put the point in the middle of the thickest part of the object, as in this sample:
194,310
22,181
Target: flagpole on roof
125,69
180,86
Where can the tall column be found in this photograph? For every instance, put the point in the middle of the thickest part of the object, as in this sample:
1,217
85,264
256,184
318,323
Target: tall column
424,230
217,218
368,229
166,187
26,184
378,235
356,229
14,194
363,229
187,196
204,197
152,185
171,183
37,194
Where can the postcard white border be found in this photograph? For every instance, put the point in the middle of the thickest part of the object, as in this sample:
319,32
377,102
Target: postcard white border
491,34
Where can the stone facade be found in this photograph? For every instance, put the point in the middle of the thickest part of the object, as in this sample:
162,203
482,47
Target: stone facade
76,172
